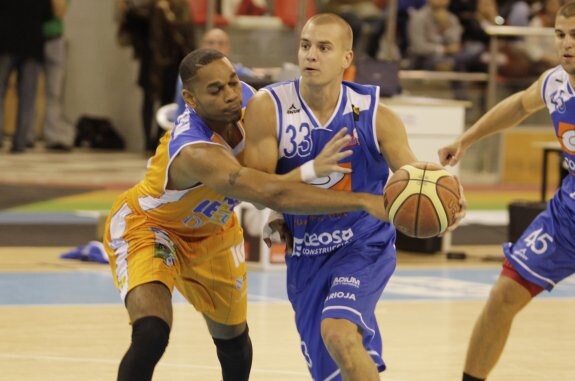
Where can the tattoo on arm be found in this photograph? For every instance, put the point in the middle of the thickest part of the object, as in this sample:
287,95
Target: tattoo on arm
233,177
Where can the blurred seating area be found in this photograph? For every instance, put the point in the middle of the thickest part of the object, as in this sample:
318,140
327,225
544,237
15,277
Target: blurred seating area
491,48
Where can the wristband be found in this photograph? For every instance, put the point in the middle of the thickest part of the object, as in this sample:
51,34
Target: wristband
307,171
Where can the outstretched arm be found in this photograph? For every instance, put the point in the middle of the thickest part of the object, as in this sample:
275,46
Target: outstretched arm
218,169
506,114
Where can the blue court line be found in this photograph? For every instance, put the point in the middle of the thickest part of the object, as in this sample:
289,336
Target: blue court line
20,218
96,287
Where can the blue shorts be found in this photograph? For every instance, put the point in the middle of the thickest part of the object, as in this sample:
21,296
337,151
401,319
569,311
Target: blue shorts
545,253
346,284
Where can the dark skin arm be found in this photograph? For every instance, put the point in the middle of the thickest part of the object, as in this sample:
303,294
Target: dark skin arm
218,169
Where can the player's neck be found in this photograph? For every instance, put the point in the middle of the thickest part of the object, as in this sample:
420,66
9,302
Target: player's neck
321,99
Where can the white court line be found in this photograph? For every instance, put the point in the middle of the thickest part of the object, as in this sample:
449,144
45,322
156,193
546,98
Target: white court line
11,356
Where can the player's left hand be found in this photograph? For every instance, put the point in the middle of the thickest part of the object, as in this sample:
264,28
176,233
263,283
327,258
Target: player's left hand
276,231
326,162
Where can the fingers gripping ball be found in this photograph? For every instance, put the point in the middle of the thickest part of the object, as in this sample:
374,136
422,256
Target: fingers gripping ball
421,199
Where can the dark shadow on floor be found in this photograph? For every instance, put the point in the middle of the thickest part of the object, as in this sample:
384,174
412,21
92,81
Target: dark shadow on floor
17,195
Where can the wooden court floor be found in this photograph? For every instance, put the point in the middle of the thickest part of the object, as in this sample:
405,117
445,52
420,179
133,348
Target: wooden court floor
424,338
62,320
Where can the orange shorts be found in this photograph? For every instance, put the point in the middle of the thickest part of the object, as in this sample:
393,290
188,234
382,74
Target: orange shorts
210,273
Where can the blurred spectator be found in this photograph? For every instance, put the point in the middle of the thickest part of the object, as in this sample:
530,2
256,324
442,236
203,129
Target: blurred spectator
367,22
219,40
519,64
161,34
541,49
475,38
22,49
404,8
516,12
434,37
435,42
58,133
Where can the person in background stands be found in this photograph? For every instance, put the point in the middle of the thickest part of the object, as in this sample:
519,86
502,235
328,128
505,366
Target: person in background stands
161,33
58,133
435,42
22,49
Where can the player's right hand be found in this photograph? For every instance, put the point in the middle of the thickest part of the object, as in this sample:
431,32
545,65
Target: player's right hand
463,207
376,207
326,162
451,154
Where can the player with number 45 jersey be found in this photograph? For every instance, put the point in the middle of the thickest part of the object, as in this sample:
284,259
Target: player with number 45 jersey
545,254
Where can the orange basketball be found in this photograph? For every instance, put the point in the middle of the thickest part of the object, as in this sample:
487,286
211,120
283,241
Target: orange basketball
421,199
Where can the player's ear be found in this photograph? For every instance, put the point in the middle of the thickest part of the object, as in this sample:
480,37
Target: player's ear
347,59
189,98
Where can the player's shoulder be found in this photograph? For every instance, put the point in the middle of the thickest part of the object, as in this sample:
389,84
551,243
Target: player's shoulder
553,78
248,91
281,89
361,89
261,99
555,72
275,95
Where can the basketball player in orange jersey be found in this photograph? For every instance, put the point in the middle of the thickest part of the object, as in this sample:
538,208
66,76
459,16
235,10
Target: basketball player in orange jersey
339,263
177,228
544,255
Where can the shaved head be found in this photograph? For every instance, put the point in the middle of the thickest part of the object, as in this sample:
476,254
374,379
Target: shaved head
345,32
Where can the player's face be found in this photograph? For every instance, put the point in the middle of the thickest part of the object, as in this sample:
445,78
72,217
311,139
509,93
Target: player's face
217,93
565,42
322,56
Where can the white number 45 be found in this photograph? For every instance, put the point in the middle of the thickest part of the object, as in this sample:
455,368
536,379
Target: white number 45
537,242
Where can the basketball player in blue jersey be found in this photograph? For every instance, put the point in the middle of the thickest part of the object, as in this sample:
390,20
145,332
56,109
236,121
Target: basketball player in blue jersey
177,227
545,254
340,262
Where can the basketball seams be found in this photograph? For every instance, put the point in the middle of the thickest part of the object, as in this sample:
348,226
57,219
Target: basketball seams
419,203
401,198
416,227
456,194
435,212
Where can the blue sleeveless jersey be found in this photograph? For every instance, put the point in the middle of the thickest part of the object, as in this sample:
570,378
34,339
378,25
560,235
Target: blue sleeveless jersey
301,138
559,98
545,252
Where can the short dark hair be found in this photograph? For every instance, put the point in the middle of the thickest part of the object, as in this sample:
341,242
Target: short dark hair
194,61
